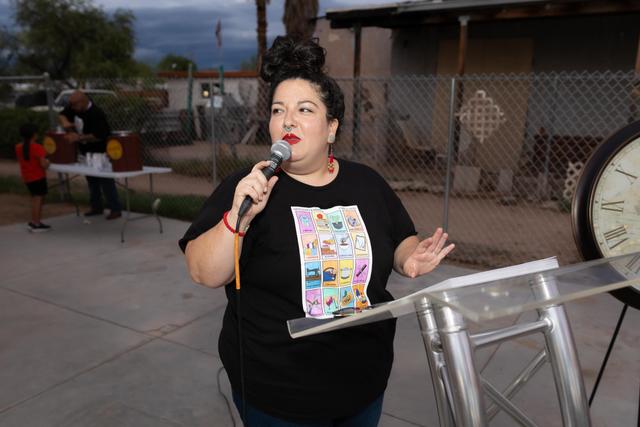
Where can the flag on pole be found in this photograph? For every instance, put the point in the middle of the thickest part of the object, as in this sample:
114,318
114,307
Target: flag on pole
219,33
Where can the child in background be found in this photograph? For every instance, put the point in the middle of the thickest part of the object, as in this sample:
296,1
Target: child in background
33,163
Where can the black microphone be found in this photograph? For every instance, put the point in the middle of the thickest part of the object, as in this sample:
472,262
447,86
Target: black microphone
280,151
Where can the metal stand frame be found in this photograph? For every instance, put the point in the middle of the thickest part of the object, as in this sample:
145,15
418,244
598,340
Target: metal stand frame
64,181
606,357
460,390
154,207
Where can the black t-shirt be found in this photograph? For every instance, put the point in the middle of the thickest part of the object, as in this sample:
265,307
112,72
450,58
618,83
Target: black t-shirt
328,375
95,123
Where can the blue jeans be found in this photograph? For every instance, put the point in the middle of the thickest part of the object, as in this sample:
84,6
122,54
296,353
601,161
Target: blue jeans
368,417
98,186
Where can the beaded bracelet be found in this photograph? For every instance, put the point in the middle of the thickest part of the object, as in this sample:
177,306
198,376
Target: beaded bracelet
226,223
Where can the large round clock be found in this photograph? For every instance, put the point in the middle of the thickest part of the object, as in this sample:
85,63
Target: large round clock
606,205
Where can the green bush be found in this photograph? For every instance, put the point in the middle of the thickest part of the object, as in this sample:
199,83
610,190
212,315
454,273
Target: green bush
126,112
12,185
200,168
184,207
10,121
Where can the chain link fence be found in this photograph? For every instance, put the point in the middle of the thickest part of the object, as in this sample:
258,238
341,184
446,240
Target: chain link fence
492,158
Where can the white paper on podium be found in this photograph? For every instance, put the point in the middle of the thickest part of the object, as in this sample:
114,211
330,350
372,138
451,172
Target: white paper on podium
306,326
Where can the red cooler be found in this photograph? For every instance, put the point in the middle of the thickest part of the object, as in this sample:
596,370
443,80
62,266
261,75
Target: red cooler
123,148
58,149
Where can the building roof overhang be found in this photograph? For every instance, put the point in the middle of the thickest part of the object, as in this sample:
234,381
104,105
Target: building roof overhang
426,12
208,74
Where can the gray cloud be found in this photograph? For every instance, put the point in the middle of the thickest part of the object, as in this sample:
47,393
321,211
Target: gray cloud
6,14
186,27
190,31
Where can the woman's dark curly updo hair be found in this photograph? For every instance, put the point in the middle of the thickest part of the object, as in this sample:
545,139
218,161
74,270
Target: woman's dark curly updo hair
289,58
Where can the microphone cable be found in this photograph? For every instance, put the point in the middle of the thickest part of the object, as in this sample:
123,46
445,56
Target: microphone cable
280,151
224,396
236,250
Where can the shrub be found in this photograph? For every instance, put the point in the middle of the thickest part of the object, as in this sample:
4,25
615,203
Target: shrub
10,121
126,113
200,168
184,207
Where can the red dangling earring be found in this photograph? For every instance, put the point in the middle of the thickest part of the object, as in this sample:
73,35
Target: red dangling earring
330,166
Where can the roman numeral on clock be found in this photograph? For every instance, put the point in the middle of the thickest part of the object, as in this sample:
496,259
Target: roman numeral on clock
634,264
613,206
614,234
629,176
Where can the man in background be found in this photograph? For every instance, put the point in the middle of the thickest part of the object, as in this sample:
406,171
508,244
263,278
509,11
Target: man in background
85,123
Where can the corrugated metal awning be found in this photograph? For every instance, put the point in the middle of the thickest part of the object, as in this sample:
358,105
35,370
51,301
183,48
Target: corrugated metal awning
416,13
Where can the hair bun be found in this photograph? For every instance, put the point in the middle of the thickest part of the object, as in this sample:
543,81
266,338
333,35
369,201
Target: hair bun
290,56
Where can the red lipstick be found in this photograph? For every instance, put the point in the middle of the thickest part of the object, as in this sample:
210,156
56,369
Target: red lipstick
291,139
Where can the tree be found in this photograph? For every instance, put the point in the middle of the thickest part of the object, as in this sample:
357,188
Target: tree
172,62
262,108
261,13
299,17
74,38
8,49
142,69
250,64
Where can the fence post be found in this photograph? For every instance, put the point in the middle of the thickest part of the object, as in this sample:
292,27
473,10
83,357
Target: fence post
221,72
543,182
357,95
450,150
190,102
212,136
47,87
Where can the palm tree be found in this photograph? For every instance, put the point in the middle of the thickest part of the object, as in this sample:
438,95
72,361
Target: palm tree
261,8
299,17
262,129
298,20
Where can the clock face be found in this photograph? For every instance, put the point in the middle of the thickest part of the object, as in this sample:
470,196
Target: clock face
606,206
615,205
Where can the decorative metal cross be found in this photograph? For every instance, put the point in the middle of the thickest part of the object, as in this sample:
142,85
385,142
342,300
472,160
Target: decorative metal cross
481,116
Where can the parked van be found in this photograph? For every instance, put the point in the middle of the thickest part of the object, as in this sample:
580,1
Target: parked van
63,98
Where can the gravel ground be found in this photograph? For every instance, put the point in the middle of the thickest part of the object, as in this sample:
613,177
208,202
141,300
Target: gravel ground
16,208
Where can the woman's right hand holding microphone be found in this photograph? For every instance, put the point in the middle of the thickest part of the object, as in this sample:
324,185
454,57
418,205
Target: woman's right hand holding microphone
256,186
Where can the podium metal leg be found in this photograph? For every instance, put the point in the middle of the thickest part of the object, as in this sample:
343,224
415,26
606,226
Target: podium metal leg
563,357
520,381
459,390
155,204
507,406
467,393
432,346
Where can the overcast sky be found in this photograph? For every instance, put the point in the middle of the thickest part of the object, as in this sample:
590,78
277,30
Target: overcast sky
186,27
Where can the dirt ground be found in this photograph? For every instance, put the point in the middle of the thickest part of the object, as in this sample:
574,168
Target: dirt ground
16,208
487,233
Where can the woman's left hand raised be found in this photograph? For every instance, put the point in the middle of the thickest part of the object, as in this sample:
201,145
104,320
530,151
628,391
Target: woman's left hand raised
427,254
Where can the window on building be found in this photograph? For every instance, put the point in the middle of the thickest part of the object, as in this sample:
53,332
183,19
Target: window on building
205,89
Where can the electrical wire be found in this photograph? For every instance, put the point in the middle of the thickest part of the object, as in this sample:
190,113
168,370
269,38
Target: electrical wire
224,396
236,261
236,250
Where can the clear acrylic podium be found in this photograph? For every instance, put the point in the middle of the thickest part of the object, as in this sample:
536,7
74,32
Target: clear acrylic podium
442,309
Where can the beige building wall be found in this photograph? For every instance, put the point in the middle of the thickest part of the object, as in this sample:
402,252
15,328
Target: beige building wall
375,59
486,56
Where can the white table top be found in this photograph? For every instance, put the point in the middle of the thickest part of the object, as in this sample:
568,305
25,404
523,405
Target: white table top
79,169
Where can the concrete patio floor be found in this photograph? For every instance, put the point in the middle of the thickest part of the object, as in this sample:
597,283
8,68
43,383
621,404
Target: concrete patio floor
98,333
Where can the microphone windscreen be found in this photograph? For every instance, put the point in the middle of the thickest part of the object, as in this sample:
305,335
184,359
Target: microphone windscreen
281,149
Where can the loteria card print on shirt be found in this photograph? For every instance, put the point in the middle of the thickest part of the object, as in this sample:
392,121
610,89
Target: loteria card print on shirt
335,259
